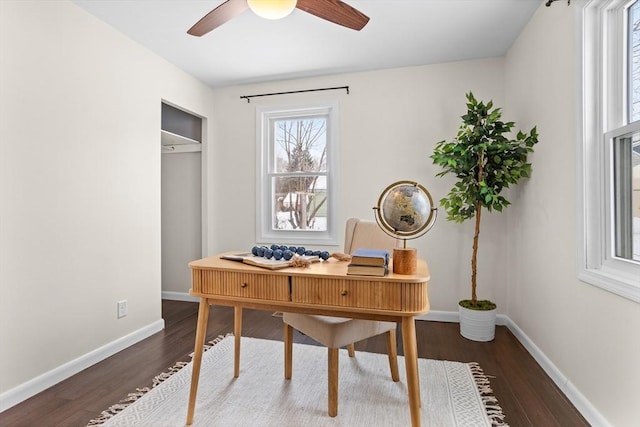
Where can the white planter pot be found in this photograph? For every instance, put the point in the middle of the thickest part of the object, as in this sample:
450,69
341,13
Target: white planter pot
477,325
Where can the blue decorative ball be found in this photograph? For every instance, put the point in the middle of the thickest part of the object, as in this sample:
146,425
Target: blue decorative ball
277,254
274,247
301,250
293,248
287,255
324,255
308,252
316,253
268,253
254,250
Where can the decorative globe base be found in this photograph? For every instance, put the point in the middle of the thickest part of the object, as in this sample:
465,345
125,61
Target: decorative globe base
405,260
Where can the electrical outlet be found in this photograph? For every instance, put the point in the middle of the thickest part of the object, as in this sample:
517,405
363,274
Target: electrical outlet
122,308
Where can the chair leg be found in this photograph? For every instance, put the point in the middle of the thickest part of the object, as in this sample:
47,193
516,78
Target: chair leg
392,351
237,332
351,349
288,351
333,381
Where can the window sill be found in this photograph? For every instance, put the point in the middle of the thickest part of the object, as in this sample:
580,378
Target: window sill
614,281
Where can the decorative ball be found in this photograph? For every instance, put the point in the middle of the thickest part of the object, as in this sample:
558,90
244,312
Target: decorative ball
285,252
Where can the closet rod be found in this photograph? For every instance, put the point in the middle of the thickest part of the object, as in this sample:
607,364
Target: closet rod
248,97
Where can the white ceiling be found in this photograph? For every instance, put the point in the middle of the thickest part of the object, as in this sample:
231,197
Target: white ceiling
249,49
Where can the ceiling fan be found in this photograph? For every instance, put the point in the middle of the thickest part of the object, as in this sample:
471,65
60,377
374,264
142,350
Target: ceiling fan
335,11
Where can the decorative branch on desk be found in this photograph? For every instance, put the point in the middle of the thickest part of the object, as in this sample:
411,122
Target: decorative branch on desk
303,262
341,257
300,262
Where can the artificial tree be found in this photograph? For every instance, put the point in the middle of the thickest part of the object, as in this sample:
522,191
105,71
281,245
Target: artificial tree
484,161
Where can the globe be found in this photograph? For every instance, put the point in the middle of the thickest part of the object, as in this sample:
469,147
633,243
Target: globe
405,210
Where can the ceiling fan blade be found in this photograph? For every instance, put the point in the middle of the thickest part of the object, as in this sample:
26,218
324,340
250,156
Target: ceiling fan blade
218,16
335,11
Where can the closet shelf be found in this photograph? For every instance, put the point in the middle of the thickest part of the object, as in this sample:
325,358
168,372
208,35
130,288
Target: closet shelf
171,139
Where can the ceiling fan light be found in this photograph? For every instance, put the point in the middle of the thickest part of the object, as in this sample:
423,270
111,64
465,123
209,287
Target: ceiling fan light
272,9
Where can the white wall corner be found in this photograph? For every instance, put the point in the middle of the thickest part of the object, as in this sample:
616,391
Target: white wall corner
42,382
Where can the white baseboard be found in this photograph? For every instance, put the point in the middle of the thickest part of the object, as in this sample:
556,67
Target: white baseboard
440,316
453,317
179,296
42,382
582,404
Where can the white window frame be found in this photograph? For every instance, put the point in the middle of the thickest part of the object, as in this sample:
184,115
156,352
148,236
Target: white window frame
602,116
264,140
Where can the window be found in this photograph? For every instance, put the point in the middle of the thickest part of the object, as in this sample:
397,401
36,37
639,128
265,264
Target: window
625,161
609,164
296,175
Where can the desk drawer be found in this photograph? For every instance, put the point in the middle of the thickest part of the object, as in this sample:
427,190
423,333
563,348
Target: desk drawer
236,284
364,293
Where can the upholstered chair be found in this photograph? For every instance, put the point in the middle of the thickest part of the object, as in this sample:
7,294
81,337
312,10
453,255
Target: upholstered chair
336,332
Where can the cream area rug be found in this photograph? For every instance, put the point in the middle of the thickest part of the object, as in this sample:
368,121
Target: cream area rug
452,393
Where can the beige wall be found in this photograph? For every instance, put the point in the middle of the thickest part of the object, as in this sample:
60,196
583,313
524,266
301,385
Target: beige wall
389,125
79,184
589,334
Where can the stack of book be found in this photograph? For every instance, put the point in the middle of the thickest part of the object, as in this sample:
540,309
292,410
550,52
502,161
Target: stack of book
369,262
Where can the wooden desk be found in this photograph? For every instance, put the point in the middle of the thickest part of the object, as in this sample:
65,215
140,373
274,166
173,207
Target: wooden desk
322,288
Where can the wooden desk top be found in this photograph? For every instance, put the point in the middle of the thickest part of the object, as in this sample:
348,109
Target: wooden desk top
331,268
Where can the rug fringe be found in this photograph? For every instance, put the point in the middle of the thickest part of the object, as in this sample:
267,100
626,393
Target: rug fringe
494,411
159,379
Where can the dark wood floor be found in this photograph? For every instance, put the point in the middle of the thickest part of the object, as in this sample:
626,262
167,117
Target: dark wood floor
527,396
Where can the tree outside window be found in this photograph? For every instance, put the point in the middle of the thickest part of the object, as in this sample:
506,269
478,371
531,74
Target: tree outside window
300,174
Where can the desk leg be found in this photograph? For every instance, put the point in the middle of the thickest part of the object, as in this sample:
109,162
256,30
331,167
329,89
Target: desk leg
237,332
201,333
411,366
288,351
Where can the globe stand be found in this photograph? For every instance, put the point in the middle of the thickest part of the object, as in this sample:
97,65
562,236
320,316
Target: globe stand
405,260
405,211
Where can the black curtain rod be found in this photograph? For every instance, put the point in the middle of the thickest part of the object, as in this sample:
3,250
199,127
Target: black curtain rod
248,97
